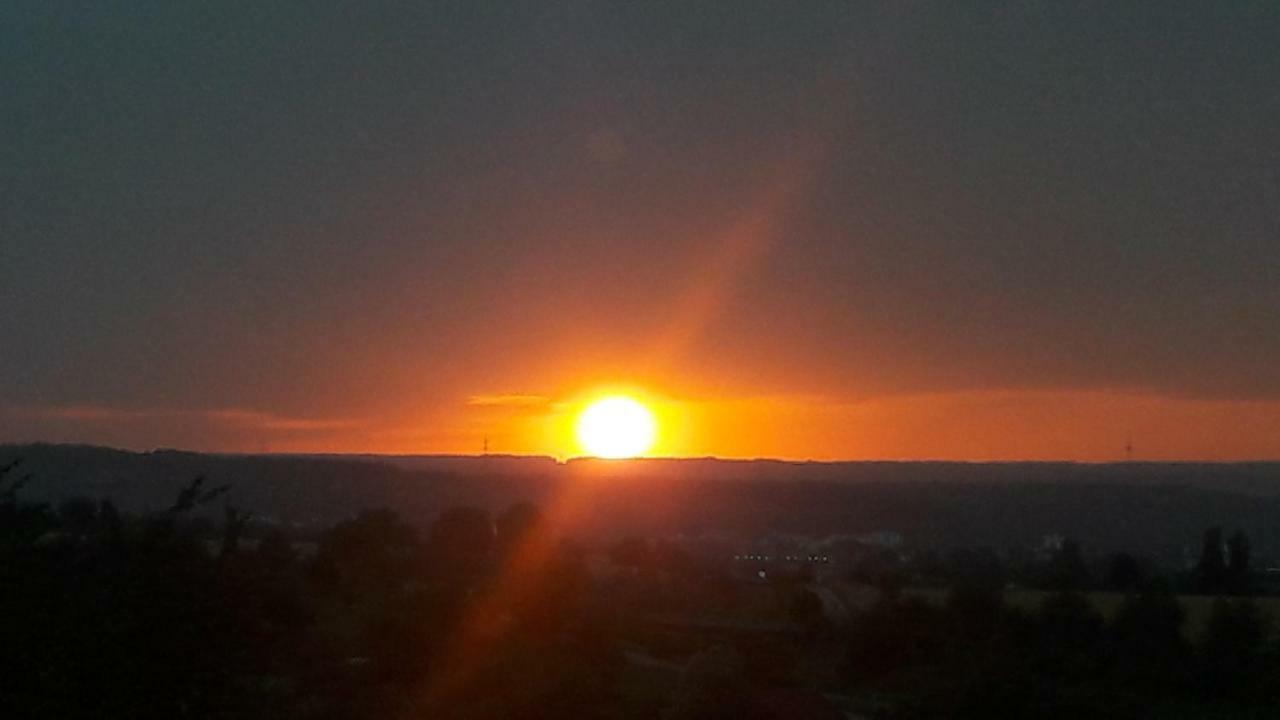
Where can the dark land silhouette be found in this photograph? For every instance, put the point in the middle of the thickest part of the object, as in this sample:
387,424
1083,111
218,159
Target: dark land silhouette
1150,508
199,606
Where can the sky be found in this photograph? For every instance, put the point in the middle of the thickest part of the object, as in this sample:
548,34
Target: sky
993,230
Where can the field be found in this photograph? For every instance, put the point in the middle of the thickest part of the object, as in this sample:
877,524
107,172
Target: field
1197,607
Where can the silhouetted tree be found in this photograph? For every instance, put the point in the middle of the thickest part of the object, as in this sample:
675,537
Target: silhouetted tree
275,549
372,553
193,495
111,524
881,569
462,533
1067,570
520,523
1211,571
805,609
105,617
9,487
234,523
1124,573
78,515
1238,578
21,524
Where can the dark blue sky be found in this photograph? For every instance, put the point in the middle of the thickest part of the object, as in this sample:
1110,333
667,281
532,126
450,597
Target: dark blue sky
331,210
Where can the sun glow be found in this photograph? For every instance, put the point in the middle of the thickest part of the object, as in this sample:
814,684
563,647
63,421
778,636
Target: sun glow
616,427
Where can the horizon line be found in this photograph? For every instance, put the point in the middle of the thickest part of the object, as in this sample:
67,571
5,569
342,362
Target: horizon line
646,458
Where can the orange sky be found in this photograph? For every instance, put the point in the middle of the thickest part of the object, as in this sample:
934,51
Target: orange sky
1089,426
1010,425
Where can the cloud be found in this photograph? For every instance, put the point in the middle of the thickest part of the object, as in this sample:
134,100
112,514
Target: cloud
269,421
511,400
237,417
82,413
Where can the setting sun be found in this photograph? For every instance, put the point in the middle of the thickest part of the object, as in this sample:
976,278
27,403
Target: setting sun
616,427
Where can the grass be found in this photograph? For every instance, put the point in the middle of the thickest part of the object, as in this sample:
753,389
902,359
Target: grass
1198,608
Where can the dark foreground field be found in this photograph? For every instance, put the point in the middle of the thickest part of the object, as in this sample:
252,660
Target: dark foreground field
198,608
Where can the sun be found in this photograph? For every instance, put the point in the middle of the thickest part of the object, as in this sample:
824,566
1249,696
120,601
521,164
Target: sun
616,427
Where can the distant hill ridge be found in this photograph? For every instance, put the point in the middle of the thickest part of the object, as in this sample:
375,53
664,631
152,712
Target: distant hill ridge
1155,507
95,465
1255,478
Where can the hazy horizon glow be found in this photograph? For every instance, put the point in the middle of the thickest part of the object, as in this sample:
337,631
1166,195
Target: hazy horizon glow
997,426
